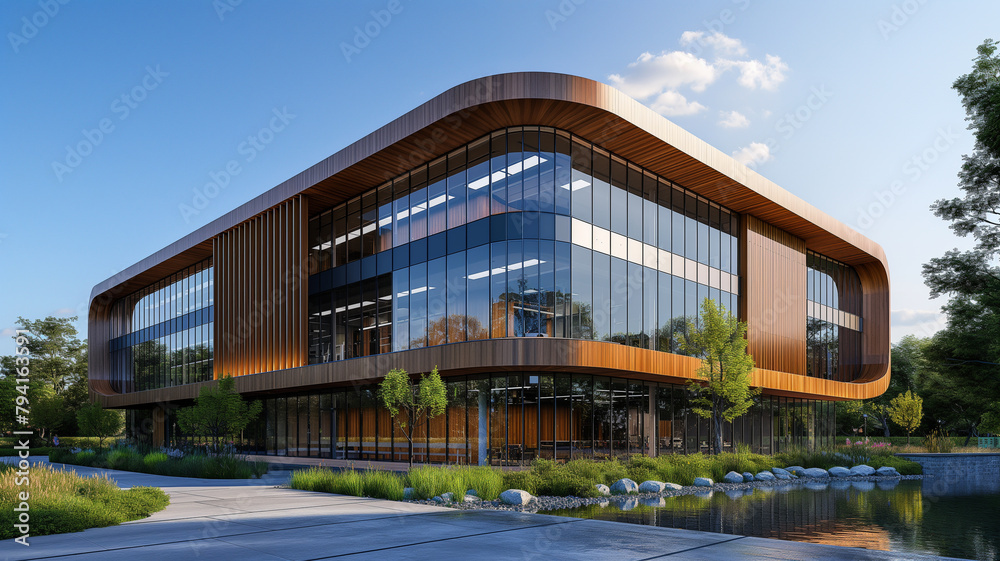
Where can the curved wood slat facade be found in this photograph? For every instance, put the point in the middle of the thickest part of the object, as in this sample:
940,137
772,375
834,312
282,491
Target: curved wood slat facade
780,227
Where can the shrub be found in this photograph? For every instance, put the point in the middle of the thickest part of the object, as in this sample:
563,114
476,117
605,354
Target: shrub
566,484
84,458
523,480
605,471
153,459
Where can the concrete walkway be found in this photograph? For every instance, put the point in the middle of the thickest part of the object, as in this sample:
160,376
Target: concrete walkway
243,520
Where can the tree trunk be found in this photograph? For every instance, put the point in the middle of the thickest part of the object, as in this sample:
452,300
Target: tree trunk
968,437
907,438
717,421
885,428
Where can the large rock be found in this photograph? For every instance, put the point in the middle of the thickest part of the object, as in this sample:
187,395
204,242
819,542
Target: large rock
794,470
472,492
703,482
747,476
672,487
733,477
838,471
408,493
624,486
887,470
783,475
651,486
862,470
780,471
448,497
602,489
471,498
515,497
815,473
765,476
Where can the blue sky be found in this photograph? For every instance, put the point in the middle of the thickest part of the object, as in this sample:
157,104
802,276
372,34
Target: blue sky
115,114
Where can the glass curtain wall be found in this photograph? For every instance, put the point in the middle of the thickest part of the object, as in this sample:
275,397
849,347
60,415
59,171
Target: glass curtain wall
161,336
527,232
833,322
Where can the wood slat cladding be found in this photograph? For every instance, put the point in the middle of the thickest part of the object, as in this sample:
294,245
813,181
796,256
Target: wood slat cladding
773,265
516,354
261,292
875,334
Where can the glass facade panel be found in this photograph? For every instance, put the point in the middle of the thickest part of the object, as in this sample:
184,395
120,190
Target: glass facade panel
161,335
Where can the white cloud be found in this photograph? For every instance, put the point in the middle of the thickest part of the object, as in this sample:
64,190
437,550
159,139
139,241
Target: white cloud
652,74
65,311
756,74
671,103
754,154
657,79
722,44
733,119
7,332
902,318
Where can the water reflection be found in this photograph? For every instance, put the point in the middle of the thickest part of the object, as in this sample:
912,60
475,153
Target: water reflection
952,517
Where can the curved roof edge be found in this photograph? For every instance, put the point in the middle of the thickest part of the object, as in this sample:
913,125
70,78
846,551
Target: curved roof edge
543,86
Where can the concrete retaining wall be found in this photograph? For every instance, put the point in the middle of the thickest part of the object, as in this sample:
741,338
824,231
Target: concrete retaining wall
960,465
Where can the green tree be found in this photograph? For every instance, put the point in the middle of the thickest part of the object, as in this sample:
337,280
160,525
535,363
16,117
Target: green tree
218,412
963,378
724,391
49,414
95,420
907,410
56,352
411,403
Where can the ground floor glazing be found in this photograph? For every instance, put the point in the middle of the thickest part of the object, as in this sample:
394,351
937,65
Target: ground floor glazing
512,418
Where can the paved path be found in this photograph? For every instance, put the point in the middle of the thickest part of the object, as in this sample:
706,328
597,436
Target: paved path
249,520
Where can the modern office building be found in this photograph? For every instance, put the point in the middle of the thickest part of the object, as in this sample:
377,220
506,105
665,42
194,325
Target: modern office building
544,241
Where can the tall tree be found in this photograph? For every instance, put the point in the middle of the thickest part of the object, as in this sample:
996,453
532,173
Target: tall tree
724,391
412,403
977,213
218,412
966,353
56,352
907,410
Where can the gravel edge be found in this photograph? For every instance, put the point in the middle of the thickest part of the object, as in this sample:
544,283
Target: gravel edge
541,504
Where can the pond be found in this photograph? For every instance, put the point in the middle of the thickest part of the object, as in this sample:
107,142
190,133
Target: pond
948,517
